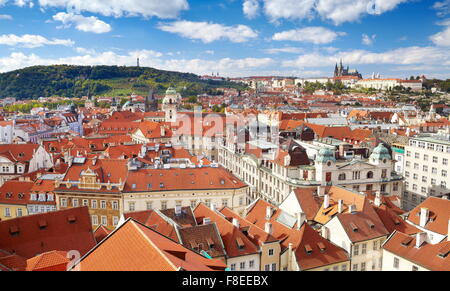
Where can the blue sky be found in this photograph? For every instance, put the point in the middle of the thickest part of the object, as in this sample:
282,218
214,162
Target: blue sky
304,38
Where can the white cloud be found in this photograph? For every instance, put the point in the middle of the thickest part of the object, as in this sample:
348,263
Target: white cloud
5,17
82,23
442,38
119,8
368,40
209,32
290,50
32,41
442,7
400,56
338,11
251,8
313,34
23,3
289,9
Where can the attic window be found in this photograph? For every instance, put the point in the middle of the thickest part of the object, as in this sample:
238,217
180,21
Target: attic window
240,243
322,247
21,155
444,252
21,195
222,182
308,249
371,225
149,186
210,242
14,230
42,224
354,227
161,185
9,195
178,254
71,219
396,221
407,241
133,186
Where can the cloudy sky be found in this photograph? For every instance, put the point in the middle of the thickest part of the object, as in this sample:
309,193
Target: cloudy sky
305,38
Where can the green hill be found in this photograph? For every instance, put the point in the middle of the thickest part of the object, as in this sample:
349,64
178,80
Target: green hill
78,81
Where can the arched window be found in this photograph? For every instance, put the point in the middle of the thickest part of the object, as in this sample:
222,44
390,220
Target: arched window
342,177
370,175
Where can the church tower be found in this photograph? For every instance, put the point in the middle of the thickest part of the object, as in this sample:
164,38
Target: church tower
151,104
170,104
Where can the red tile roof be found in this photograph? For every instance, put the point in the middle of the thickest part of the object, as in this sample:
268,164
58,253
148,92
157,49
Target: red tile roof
229,233
64,230
426,256
50,261
134,247
439,214
301,239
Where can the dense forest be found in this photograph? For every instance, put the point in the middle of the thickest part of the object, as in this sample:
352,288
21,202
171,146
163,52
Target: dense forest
78,81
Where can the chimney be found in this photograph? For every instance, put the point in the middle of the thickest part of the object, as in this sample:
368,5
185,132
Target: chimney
378,200
268,212
236,223
326,201
320,191
177,210
268,228
351,208
301,218
424,216
420,239
325,232
341,206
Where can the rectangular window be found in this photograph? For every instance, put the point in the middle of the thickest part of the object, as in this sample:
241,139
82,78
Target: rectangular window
94,204
356,250
271,252
7,212
94,220
242,266
115,205
149,205
163,205
131,206
364,249
104,221
63,202
363,266
251,264
396,263
103,204
85,202
115,220
233,267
